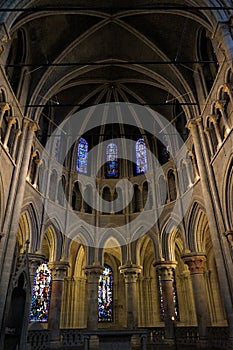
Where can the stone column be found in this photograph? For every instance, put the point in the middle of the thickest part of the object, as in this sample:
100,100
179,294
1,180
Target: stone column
207,132
131,273
165,270
18,133
215,220
3,108
214,120
11,121
93,273
14,203
196,172
229,235
220,105
196,264
228,88
187,164
58,270
38,164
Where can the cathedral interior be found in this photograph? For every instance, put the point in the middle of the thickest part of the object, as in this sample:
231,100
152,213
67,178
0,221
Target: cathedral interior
116,177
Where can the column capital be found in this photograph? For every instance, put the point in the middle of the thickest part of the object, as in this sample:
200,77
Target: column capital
195,262
4,106
38,162
219,104
228,87
58,269
192,123
229,235
165,269
4,35
93,271
35,260
130,272
11,120
213,117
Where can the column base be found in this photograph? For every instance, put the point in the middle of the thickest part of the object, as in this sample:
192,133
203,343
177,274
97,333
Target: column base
94,342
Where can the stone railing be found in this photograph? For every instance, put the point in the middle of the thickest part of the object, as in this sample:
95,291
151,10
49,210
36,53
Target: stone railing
156,335
74,337
218,338
38,340
186,335
142,339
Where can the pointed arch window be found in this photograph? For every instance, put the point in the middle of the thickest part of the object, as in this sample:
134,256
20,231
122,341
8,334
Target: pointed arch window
82,155
141,156
112,160
105,305
39,311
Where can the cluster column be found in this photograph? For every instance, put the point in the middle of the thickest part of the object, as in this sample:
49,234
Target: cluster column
58,270
165,271
131,273
196,263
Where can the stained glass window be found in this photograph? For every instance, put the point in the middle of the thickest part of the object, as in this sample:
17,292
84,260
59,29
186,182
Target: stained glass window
162,297
81,166
112,160
141,156
41,294
105,295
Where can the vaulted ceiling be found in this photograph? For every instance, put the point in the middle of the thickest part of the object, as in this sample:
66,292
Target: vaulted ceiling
79,53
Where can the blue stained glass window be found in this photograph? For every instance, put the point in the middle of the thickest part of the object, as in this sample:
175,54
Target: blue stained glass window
82,156
112,160
41,294
141,156
105,306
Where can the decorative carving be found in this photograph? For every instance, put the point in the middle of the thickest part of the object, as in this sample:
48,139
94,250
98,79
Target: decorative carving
195,262
58,269
130,272
165,269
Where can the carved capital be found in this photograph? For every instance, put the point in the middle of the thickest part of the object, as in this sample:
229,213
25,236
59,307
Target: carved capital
195,262
229,236
213,118
93,272
4,107
58,269
35,260
227,88
130,272
220,104
165,269
11,120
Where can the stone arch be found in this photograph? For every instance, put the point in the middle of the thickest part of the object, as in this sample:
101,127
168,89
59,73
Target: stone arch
51,243
30,217
24,231
196,224
170,234
227,193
